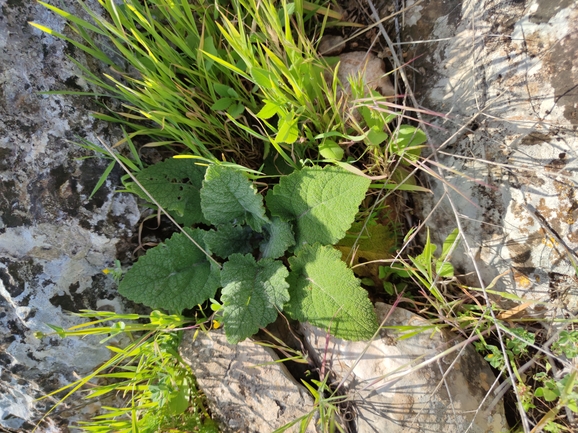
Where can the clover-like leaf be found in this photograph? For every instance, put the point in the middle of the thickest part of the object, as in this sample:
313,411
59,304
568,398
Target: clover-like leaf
253,293
228,196
229,239
174,275
279,237
325,293
323,202
175,184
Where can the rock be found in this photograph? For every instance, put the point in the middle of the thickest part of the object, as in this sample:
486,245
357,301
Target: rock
246,389
390,397
369,66
54,241
331,45
505,74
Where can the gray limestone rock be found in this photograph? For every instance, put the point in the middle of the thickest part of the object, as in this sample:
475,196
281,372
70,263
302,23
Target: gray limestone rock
450,393
504,74
246,389
54,241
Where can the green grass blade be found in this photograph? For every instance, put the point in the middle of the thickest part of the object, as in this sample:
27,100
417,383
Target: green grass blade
102,178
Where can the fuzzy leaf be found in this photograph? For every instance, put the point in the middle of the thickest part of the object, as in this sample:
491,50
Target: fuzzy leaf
175,184
228,196
174,275
229,239
325,293
322,201
280,237
253,293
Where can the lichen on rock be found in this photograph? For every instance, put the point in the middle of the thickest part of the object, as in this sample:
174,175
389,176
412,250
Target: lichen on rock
54,240
504,74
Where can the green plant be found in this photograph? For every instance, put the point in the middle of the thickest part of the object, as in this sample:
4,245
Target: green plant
326,410
426,268
543,389
154,51
566,344
563,392
516,345
175,70
296,86
148,375
232,78
541,396
307,212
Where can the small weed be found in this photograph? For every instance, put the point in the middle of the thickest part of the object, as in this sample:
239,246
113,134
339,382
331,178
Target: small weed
567,344
154,390
427,269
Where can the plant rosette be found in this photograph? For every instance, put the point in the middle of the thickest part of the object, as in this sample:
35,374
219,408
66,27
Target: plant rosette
264,259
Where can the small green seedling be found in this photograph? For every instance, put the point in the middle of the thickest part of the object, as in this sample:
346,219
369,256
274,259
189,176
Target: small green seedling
426,268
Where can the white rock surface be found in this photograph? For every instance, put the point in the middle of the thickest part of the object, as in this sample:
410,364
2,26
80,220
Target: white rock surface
450,394
247,391
505,75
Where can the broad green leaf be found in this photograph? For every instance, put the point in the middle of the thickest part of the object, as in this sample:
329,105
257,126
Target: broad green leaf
354,138
268,110
228,196
287,129
174,275
278,239
368,243
179,401
236,110
323,202
175,184
370,118
331,150
407,142
325,293
253,293
261,77
409,136
449,243
222,104
221,89
547,393
444,269
375,136
229,239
